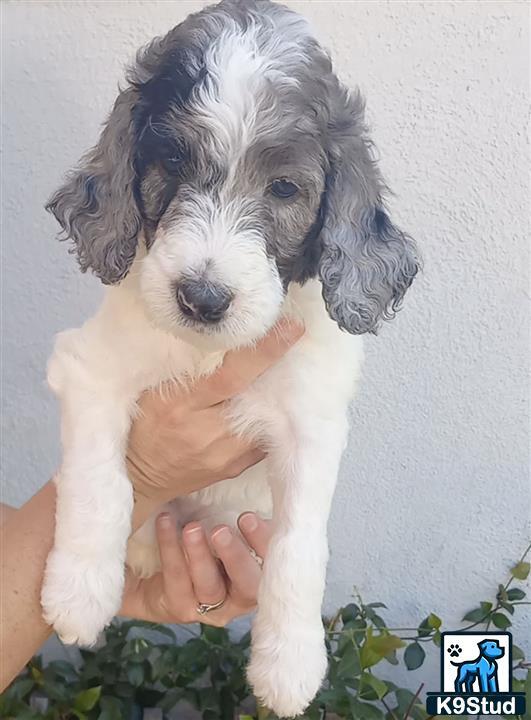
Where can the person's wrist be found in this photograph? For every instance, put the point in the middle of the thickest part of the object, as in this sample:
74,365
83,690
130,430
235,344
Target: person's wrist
147,497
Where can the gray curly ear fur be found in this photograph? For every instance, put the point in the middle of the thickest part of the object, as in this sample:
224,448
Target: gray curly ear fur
96,206
366,263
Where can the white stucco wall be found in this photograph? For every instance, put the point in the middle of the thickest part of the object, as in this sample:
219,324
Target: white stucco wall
434,499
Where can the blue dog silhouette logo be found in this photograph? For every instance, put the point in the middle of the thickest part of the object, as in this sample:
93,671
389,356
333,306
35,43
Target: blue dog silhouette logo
476,676
484,668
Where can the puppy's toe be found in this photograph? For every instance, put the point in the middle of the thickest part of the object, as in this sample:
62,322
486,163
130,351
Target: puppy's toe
142,558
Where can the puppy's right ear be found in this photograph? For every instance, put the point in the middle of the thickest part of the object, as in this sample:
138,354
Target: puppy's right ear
96,206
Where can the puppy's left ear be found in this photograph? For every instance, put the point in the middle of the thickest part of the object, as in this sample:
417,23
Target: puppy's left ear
366,264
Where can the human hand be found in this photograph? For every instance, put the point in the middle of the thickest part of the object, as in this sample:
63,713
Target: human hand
181,442
190,573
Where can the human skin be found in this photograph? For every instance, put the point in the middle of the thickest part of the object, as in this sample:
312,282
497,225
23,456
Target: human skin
179,443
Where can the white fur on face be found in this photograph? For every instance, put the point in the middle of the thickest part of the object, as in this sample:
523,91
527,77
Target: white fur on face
215,243
226,102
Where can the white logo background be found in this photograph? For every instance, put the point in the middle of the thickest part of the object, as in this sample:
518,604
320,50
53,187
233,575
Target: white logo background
470,652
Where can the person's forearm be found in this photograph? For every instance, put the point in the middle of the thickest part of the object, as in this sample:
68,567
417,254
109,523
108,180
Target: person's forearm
25,540
5,512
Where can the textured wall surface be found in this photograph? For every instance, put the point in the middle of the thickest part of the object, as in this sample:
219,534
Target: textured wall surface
434,498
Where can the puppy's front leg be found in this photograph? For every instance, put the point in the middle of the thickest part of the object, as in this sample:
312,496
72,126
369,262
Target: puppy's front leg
288,659
85,570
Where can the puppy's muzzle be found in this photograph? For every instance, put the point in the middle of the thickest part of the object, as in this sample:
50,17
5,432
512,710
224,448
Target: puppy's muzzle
203,301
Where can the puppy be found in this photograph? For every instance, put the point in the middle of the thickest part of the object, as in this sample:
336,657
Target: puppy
232,185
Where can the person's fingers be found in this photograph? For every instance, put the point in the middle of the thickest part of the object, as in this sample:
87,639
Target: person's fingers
207,579
241,367
242,569
173,563
257,532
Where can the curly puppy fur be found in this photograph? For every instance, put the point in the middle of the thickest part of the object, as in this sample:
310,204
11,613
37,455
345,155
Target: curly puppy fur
233,184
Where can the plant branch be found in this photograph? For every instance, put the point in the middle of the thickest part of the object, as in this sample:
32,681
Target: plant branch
386,706
413,701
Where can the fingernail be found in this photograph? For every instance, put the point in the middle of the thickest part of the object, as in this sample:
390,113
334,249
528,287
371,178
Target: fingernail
193,534
248,522
165,519
222,537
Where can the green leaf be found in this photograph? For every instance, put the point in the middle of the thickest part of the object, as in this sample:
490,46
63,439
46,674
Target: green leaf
87,699
501,621
373,616
193,656
36,674
135,674
502,594
434,621
349,665
414,656
424,628
111,709
358,628
476,615
515,594
63,669
404,698
507,606
245,641
376,647
27,714
379,687
365,711
521,570
58,692
164,663
135,652
170,699
79,715
392,658
20,688
349,612
518,653
215,635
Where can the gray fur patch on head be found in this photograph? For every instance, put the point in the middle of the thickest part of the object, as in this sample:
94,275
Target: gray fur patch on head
96,206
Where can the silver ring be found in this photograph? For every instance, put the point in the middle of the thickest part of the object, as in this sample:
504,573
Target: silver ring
204,608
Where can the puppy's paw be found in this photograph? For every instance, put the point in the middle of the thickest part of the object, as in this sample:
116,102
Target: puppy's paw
288,665
80,595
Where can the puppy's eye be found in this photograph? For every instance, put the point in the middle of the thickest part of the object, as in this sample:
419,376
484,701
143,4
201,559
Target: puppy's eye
283,188
172,164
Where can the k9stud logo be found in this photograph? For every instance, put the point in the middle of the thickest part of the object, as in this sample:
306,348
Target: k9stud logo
476,676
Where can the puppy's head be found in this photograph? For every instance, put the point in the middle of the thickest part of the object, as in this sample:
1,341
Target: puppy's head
239,160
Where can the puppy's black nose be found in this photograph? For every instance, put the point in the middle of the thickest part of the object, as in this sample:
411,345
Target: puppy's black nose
202,300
